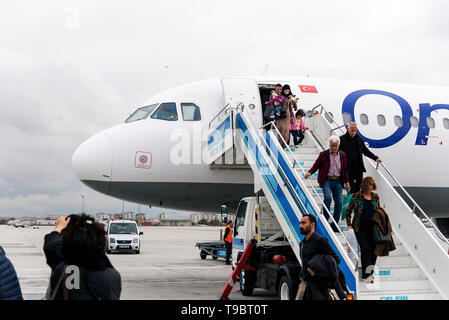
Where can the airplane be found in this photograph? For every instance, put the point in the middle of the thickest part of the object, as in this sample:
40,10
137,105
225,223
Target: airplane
156,156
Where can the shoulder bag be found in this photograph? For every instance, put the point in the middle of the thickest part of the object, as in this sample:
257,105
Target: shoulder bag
379,236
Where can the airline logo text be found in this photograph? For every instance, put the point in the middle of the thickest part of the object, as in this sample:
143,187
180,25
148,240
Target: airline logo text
424,112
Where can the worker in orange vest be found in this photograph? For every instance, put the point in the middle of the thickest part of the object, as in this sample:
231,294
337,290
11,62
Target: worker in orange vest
227,237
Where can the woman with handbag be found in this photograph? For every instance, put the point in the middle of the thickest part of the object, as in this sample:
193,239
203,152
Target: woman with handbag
76,251
364,203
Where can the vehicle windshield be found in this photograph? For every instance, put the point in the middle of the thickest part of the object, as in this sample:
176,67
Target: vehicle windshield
241,213
123,228
141,113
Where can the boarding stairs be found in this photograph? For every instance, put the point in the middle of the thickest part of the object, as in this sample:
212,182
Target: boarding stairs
415,270
398,276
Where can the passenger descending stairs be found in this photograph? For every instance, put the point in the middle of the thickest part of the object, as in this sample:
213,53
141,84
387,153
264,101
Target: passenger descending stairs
397,276
417,269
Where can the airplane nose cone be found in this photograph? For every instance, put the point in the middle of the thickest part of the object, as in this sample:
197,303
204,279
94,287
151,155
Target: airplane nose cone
92,162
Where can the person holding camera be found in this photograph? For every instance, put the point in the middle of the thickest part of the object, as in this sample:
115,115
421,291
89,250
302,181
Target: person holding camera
76,252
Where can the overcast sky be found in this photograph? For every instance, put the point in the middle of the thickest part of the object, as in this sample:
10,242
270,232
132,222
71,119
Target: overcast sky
69,69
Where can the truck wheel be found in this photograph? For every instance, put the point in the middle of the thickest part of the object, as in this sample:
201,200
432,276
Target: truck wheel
247,280
285,289
214,255
203,254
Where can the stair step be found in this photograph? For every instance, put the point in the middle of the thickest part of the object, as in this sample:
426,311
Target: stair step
399,252
303,156
314,183
306,149
385,285
402,260
312,177
303,163
314,191
399,272
400,295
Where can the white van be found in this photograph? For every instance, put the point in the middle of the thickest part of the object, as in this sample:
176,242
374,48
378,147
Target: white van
123,235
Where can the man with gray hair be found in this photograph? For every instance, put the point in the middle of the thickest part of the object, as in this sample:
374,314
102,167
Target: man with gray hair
354,147
332,177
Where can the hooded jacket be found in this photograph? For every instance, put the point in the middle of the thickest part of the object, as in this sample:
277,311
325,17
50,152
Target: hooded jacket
9,283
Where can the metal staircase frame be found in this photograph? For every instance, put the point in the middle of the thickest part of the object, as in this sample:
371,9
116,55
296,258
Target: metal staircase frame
425,249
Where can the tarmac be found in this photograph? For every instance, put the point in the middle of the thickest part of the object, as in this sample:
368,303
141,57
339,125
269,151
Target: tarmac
169,266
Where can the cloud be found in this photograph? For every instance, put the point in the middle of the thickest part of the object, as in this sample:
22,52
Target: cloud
71,69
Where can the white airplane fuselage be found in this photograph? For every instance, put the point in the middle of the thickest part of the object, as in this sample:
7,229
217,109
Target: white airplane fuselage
162,162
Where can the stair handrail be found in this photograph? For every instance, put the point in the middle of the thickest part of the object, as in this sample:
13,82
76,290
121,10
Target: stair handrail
226,108
218,114
415,205
314,190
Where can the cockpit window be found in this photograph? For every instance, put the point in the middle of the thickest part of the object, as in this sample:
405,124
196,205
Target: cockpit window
190,112
166,111
141,113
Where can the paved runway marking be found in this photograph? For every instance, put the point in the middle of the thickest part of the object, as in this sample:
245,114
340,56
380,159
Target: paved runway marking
172,282
131,282
24,270
18,254
172,268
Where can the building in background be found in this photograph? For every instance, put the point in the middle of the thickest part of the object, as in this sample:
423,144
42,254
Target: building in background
162,216
176,222
100,216
195,217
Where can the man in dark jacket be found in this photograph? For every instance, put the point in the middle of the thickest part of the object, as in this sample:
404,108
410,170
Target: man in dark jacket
332,177
355,148
313,244
9,284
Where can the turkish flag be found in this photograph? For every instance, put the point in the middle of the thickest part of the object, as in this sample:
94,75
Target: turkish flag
309,89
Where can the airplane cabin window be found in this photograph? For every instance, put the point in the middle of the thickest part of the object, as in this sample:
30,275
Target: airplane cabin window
381,120
364,118
414,121
398,121
347,118
166,111
141,113
430,122
190,112
446,123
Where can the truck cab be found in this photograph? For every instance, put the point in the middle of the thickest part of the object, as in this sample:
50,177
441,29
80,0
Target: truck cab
277,268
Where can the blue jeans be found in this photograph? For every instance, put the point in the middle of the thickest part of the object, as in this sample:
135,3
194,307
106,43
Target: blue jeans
333,189
276,111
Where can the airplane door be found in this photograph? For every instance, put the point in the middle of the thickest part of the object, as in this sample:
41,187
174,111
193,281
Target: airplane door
246,92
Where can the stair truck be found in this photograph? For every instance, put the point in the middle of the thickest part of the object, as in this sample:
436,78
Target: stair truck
277,268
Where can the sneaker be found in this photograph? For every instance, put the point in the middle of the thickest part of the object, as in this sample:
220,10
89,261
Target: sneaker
370,279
